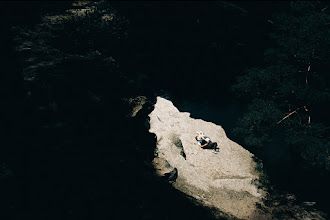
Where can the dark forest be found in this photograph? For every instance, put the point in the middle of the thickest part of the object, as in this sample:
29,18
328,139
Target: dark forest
68,149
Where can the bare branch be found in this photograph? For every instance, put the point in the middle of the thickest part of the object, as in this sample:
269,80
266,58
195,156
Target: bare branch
295,111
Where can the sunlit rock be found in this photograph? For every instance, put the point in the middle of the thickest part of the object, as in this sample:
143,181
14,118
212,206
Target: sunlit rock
226,181
223,180
136,104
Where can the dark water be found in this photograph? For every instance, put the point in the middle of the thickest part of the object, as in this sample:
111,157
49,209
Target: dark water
279,162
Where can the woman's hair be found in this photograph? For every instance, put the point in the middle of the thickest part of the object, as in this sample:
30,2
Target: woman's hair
196,138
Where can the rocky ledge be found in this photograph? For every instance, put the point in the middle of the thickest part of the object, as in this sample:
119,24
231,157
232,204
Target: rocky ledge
227,181
224,181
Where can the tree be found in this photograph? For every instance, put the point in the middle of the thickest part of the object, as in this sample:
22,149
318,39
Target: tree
290,92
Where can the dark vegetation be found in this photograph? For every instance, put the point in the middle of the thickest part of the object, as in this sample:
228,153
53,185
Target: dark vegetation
68,149
289,95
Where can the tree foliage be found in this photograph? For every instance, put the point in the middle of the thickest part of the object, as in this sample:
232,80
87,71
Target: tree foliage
291,91
72,60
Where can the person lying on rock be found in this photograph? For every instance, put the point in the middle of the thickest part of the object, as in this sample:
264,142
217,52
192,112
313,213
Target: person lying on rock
206,143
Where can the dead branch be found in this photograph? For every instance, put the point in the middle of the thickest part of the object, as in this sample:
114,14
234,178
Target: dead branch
295,111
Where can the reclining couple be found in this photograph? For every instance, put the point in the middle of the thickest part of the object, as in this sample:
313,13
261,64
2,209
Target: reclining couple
206,143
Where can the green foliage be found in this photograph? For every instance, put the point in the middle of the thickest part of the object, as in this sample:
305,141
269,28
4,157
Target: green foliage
67,49
310,140
256,126
97,28
91,33
70,66
292,85
303,33
261,82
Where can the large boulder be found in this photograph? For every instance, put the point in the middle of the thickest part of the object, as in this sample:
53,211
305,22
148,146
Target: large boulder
224,180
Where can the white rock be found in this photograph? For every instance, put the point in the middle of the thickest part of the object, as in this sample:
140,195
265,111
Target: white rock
224,178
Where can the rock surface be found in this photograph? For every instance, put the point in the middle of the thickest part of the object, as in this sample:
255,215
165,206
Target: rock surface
223,180
164,169
226,181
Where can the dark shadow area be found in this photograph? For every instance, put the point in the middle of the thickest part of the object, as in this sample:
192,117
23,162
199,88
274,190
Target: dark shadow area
68,149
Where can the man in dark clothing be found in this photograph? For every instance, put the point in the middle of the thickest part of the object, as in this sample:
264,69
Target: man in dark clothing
206,143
